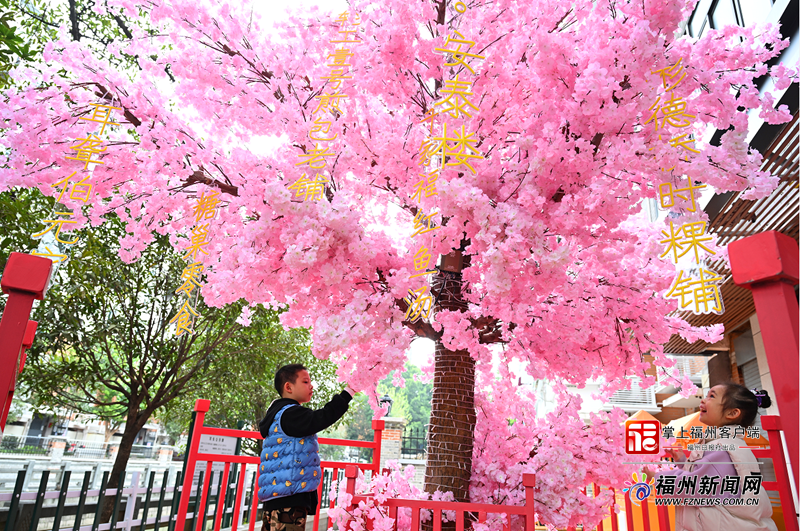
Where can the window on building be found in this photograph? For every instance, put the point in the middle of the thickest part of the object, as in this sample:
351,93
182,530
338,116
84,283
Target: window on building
750,374
754,11
698,22
723,14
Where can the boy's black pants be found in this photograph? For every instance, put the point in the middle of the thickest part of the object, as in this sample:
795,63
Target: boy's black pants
287,519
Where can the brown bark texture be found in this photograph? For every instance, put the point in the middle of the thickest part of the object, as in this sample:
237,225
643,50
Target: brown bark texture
452,424
133,423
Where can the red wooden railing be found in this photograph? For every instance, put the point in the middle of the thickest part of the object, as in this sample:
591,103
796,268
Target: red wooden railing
437,507
193,456
636,520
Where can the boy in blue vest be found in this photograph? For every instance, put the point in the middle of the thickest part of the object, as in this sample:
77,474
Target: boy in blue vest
290,466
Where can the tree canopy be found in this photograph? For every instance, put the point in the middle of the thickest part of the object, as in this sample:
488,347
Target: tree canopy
104,346
538,187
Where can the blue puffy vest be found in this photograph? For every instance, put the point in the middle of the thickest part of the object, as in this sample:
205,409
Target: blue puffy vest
289,465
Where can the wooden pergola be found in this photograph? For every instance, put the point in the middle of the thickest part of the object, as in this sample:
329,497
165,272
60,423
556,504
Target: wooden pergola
733,218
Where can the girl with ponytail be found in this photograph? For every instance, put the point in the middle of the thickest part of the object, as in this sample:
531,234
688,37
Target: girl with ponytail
733,406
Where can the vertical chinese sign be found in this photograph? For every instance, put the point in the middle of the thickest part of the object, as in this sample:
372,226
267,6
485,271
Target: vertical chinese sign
205,211
449,143
75,188
310,186
686,245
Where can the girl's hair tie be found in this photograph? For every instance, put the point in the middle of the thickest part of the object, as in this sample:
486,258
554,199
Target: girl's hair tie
760,394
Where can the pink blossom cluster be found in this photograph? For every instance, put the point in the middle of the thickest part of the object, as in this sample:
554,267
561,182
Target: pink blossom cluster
395,482
560,258
565,452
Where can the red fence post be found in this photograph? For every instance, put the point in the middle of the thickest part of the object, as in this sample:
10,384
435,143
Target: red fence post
663,518
351,473
772,424
25,278
200,407
377,426
614,515
767,265
529,482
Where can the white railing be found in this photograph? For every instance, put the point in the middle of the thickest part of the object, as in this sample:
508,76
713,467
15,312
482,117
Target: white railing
692,366
634,398
15,446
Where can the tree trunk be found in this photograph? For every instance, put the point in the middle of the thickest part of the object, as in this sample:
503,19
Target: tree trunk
133,423
110,429
73,20
452,423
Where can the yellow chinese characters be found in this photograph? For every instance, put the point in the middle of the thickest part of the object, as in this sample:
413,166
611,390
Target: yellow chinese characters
700,294
204,210
420,304
688,237
448,143
695,288
667,194
76,186
184,319
670,109
329,108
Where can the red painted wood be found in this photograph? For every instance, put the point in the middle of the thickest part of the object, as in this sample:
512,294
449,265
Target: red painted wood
764,257
24,279
663,518
191,462
596,492
27,342
239,494
646,514
767,264
377,426
346,442
614,516
772,424
459,521
200,516
218,458
629,513
437,520
220,508
315,525
254,505
529,482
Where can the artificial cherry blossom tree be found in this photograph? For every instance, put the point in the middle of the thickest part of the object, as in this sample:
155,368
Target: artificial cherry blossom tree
559,269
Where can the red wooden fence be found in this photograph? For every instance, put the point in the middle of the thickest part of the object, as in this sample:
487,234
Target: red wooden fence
193,456
460,508
635,521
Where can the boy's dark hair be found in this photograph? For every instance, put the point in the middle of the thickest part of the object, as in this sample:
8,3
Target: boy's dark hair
746,400
287,373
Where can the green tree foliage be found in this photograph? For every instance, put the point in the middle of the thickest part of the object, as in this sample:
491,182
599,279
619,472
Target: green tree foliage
21,212
412,403
242,387
13,46
27,25
104,346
